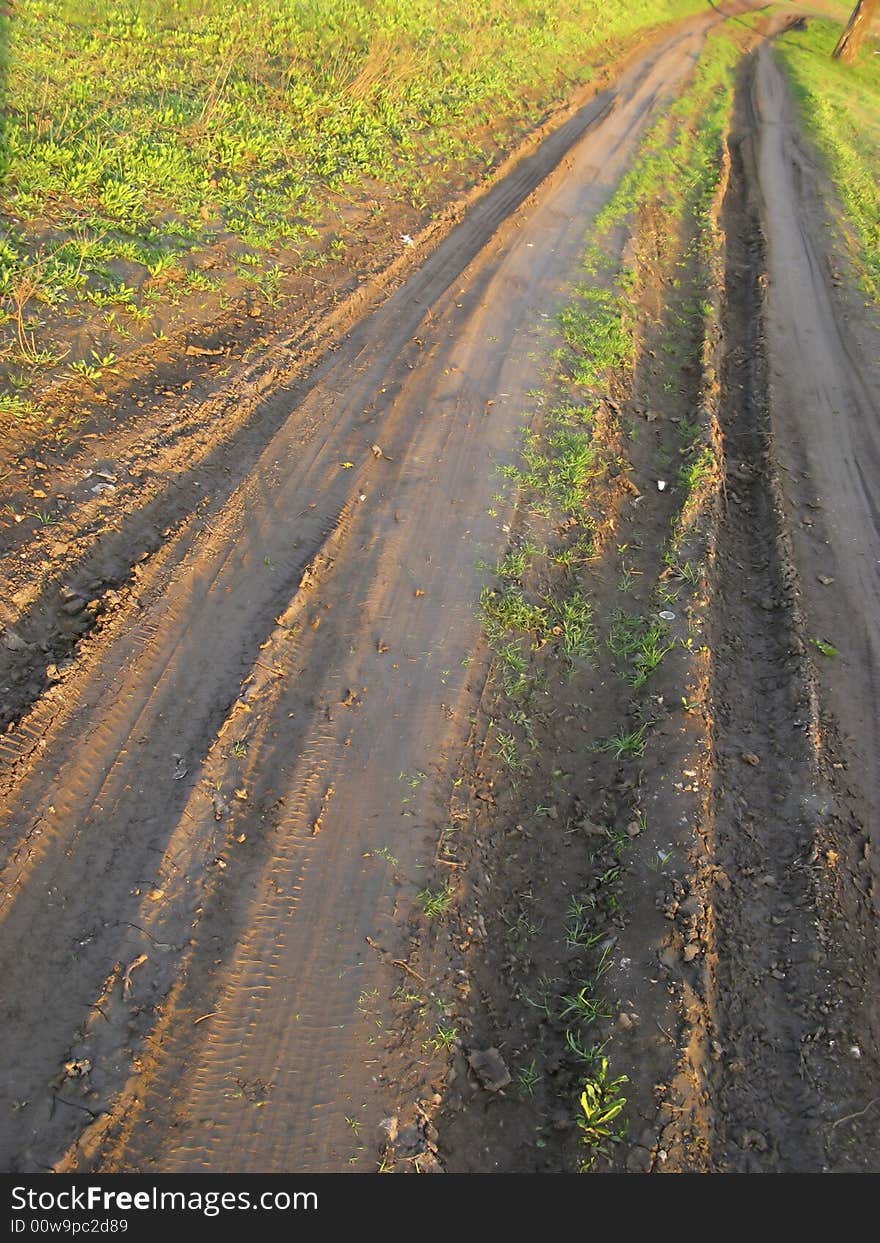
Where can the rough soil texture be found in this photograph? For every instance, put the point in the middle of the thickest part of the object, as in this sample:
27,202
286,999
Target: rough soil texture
250,697
740,1000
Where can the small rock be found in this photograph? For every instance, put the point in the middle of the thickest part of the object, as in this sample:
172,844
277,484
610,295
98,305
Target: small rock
14,641
388,1127
410,1141
691,951
633,829
638,1161
488,1065
749,757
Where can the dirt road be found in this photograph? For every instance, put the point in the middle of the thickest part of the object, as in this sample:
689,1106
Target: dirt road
825,396
217,823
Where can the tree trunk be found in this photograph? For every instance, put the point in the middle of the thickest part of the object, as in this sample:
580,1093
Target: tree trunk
856,28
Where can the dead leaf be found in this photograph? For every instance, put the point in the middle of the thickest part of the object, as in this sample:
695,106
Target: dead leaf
197,351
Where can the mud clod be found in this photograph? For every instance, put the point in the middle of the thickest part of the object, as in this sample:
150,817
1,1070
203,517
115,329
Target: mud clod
490,1069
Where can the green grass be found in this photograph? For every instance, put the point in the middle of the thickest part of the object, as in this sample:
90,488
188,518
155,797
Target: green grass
436,902
640,644
136,133
840,108
572,620
507,611
556,468
630,744
583,1007
597,327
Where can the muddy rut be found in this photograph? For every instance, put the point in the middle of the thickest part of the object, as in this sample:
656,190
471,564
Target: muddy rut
215,827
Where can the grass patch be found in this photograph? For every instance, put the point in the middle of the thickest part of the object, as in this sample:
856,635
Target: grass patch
136,135
640,644
435,902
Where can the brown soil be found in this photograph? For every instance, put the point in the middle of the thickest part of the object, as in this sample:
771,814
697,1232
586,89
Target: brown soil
249,702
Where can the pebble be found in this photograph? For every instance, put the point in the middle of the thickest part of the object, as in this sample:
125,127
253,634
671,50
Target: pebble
489,1067
14,641
638,1161
410,1141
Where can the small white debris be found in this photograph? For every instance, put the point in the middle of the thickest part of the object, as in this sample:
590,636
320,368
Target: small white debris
666,615
406,239
661,485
